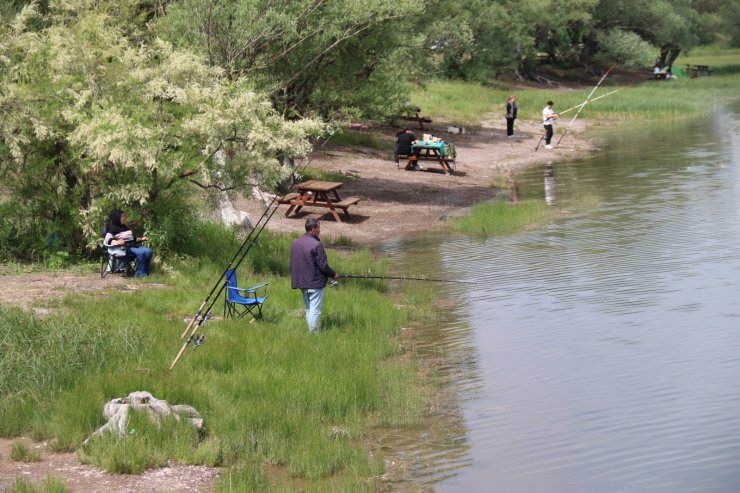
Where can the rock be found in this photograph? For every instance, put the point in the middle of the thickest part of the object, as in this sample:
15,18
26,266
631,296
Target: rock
116,412
231,216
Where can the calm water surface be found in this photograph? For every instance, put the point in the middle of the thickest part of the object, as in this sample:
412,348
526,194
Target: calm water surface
602,352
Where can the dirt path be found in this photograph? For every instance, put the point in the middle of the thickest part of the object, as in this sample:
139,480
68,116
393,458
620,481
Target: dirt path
395,201
40,292
79,478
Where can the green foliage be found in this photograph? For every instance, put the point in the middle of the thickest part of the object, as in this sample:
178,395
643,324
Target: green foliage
96,114
626,48
342,56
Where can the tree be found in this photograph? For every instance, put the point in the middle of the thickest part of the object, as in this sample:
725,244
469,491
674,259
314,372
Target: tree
671,25
327,56
94,114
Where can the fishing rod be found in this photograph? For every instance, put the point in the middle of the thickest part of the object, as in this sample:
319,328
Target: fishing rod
403,278
201,316
579,106
588,98
590,101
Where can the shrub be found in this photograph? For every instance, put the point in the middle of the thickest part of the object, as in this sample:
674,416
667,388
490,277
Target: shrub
626,48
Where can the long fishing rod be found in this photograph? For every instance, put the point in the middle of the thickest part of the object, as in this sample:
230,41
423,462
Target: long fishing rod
202,315
579,106
403,278
583,105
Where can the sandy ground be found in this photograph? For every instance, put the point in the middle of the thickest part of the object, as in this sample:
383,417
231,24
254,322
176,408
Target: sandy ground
393,202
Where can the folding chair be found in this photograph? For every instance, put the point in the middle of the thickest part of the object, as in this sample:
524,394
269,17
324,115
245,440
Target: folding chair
116,259
237,304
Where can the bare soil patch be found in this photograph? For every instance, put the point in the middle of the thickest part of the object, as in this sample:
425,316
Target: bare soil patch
395,202
81,478
40,292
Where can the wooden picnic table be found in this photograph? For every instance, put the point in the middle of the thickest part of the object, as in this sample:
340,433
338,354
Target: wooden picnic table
433,151
697,70
317,193
421,120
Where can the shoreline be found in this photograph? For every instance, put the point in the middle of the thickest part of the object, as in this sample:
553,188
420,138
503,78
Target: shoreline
395,202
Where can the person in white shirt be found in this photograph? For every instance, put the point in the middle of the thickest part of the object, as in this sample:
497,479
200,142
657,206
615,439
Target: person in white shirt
548,117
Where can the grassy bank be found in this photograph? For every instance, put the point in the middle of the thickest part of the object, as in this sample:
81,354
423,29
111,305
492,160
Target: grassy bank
502,218
280,406
468,103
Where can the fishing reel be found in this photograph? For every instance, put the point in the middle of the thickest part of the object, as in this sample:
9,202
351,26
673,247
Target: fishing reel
334,283
200,339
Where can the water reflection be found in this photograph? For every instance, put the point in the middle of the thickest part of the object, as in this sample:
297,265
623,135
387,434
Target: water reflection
549,184
601,353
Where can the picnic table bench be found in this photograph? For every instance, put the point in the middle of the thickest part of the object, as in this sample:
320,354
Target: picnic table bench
697,70
421,120
440,152
317,193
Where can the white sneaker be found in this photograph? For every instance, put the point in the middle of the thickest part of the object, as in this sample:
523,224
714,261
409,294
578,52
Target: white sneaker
548,146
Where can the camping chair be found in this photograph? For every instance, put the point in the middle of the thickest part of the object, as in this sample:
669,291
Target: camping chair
241,301
116,259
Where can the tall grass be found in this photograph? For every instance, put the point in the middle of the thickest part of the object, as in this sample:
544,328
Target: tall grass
469,103
272,395
502,217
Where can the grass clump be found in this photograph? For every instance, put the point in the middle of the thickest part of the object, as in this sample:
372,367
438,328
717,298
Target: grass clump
20,452
502,217
48,485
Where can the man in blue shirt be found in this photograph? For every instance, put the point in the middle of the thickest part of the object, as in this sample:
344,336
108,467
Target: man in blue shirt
309,271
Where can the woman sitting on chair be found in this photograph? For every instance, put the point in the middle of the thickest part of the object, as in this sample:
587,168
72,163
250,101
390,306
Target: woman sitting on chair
120,234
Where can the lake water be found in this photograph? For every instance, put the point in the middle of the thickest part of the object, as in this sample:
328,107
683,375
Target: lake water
600,353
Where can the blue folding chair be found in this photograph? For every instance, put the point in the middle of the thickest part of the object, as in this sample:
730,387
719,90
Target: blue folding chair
242,301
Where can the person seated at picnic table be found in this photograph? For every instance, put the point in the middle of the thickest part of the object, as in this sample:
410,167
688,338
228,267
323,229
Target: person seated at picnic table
404,140
118,233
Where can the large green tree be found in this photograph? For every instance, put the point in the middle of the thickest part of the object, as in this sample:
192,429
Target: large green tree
95,114
326,55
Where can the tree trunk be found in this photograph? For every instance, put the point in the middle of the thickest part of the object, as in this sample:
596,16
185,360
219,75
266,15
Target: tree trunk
668,54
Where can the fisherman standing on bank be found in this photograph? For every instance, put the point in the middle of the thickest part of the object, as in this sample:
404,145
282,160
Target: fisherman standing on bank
548,117
309,271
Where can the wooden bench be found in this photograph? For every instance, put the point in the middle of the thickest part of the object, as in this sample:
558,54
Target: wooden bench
449,163
421,120
697,70
285,199
344,204
298,201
